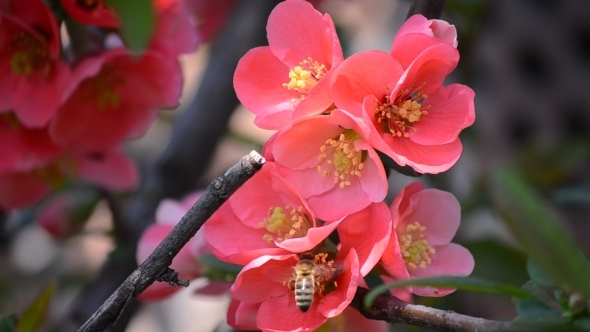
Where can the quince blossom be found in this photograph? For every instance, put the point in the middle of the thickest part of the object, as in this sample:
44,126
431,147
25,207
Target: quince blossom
328,159
120,96
290,78
417,119
267,217
424,223
264,282
30,63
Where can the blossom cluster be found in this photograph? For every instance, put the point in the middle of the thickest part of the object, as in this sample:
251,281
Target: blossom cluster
68,104
321,193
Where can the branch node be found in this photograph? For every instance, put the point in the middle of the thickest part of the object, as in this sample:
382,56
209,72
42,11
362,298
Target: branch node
171,277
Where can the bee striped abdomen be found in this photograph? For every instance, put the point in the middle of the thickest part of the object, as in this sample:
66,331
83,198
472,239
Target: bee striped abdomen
304,290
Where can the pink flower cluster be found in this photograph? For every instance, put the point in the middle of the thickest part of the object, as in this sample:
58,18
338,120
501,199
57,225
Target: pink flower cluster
64,115
323,176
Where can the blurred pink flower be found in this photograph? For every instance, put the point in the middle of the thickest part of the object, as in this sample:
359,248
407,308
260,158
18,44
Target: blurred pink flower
330,162
290,78
92,12
424,222
168,214
174,33
120,96
33,79
417,119
211,15
109,170
66,212
419,33
267,217
263,281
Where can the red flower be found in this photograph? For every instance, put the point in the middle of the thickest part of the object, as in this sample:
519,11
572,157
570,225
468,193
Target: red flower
329,161
93,12
267,217
111,170
265,281
416,118
33,79
118,98
290,78
424,222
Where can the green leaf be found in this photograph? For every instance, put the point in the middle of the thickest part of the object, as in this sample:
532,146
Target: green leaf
533,313
582,324
533,226
464,283
33,316
8,323
137,21
497,262
542,295
539,275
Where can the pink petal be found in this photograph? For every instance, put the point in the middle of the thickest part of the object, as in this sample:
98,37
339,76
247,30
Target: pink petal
438,211
354,321
262,278
362,74
292,42
353,197
112,170
449,260
431,159
174,34
314,237
335,302
21,189
242,316
392,260
417,34
258,82
317,101
450,109
402,201
368,245
291,318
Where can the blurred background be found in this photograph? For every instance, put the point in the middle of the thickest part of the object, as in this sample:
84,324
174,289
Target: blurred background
528,62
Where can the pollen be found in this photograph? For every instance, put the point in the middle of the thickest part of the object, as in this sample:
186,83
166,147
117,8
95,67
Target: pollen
29,54
285,223
339,158
105,88
304,77
415,249
397,117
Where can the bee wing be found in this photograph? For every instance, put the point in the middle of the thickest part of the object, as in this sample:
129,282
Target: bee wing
328,271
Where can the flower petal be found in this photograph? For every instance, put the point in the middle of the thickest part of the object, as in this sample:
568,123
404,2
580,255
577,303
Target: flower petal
242,316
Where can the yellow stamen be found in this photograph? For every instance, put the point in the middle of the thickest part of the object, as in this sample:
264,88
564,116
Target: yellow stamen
340,159
304,77
286,223
399,115
29,54
415,249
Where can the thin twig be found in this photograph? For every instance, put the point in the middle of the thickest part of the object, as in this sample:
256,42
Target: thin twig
393,310
431,9
157,264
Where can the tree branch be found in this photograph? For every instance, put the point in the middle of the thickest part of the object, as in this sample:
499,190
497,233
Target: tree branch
157,264
431,9
393,310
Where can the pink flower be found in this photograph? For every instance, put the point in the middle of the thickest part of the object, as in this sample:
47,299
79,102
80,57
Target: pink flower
424,222
290,78
168,214
174,33
66,212
94,12
211,15
419,33
267,280
30,63
329,161
416,118
28,148
242,316
120,96
110,170
267,217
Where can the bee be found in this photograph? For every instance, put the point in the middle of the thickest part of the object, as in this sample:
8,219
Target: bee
310,277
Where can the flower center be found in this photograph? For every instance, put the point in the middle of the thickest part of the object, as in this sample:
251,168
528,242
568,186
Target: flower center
304,77
11,120
399,115
340,159
29,54
285,223
104,88
415,248
88,4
